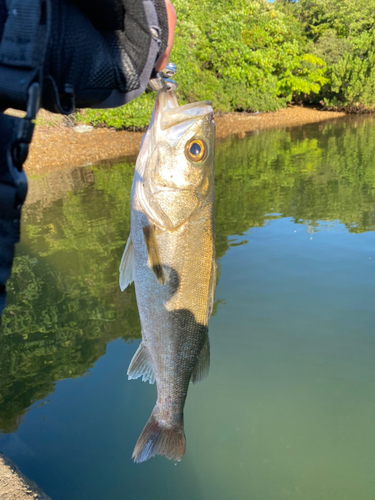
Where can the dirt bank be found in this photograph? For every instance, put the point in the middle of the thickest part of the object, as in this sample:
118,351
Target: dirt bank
55,147
14,485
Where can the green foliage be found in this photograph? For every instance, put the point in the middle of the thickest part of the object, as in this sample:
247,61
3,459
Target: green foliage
343,35
304,76
352,84
242,55
330,47
348,18
134,116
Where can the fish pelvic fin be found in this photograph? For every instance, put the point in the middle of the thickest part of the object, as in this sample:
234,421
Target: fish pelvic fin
159,438
140,366
127,265
202,367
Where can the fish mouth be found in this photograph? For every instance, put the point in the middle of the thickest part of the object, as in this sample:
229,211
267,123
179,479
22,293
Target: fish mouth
169,113
170,189
188,112
190,105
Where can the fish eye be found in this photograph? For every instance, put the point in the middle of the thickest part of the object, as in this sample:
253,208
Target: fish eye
196,150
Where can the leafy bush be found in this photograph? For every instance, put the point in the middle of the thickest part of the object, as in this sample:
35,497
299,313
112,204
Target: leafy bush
348,18
352,83
343,35
330,47
133,116
242,55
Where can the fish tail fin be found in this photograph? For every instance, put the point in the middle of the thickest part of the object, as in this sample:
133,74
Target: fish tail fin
158,438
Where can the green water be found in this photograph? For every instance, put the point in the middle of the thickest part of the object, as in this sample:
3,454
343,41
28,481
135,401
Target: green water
288,411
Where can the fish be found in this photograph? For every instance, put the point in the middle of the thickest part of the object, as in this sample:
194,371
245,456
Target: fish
170,256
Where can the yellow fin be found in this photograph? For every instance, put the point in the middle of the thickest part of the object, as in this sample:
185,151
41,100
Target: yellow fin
153,255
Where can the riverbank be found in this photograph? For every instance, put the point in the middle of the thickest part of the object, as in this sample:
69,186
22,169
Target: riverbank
16,486
58,145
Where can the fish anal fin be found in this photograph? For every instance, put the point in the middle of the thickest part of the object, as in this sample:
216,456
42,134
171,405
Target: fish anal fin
202,367
140,366
153,254
159,438
127,265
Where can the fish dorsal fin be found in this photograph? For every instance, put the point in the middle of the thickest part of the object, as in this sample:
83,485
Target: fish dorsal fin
212,288
153,253
202,367
140,366
127,265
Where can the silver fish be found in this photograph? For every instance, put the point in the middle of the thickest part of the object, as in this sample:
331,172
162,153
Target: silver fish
170,255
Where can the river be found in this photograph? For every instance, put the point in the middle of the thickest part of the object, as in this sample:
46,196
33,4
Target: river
288,410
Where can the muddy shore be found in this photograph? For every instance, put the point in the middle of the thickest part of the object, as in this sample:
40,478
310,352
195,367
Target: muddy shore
60,146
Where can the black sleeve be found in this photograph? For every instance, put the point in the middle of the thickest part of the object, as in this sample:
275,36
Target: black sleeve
100,53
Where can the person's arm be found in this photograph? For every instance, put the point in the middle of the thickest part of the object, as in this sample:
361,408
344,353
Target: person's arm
91,54
62,55
171,20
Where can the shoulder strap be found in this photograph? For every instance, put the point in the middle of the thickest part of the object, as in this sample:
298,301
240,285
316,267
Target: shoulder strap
15,137
22,50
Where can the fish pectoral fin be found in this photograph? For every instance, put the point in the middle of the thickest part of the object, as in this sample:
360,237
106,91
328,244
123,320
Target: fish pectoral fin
202,367
153,254
140,366
127,265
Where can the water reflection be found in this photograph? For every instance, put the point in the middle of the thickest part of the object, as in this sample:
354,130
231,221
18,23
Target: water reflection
316,173
64,303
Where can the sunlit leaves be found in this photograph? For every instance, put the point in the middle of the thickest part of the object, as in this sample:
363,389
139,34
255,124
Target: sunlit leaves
344,36
254,51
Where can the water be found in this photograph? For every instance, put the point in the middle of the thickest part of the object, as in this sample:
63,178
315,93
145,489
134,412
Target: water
288,409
